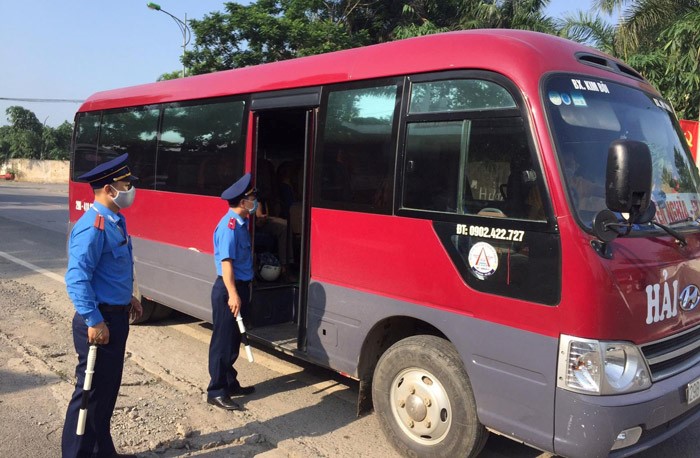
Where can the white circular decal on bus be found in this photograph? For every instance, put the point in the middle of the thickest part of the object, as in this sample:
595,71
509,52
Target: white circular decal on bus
554,97
483,260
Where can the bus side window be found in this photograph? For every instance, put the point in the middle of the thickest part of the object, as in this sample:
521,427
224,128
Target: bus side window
471,167
355,164
133,131
201,147
85,155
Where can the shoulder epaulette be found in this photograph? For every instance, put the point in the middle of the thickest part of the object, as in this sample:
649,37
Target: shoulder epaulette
99,222
232,223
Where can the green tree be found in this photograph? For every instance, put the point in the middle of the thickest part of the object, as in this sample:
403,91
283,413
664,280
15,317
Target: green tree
425,17
175,74
56,142
26,137
507,14
659,38
589,28
22,119
273,30
643,21
23,138
674,65
269,31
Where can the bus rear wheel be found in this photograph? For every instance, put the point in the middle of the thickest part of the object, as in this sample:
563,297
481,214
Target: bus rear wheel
424,400
147,306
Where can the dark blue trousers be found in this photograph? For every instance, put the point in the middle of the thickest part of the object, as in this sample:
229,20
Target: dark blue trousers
109,365
225,339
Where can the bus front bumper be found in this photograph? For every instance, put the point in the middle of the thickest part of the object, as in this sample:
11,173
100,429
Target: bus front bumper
587,426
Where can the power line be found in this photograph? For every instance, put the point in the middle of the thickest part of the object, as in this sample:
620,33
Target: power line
13,99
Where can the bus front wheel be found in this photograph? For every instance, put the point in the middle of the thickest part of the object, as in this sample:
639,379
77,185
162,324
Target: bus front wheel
424,400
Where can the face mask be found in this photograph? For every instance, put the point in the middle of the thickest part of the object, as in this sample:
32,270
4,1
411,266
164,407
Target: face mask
124,199
255,207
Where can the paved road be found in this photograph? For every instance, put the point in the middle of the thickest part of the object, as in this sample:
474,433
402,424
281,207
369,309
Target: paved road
299,410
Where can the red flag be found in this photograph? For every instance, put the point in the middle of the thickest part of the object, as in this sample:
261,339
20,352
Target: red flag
690,130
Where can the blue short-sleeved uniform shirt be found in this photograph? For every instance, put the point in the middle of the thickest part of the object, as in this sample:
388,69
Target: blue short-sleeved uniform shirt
232,241
100,263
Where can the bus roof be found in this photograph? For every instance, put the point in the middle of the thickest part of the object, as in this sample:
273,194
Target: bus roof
514,53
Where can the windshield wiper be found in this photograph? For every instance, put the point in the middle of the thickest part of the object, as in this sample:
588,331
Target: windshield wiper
678,236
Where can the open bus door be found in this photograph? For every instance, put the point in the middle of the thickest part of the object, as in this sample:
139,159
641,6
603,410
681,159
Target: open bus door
281,164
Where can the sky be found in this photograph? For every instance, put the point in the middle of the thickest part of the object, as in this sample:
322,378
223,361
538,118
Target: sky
70,49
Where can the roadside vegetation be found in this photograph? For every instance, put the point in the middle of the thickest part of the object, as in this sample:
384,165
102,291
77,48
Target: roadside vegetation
27,138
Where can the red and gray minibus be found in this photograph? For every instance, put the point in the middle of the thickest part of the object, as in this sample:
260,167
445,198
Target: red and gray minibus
491,230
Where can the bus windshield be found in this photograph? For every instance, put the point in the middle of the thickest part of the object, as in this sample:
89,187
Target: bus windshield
587,114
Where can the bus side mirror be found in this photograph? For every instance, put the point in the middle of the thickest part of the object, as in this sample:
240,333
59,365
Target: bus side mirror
627,190
628,178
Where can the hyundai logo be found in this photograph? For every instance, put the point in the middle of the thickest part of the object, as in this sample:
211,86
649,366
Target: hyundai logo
690,296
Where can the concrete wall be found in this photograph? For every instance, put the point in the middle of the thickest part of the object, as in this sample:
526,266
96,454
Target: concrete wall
36,171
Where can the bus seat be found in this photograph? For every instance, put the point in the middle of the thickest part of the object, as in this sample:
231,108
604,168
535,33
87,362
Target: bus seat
492,212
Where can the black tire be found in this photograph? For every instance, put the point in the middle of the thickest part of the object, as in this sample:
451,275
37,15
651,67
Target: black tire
147,306
424,400
160,312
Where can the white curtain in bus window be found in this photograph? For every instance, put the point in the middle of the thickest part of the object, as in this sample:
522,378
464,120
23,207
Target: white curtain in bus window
132,131
202,147
85,155
357,153
478,166
458,95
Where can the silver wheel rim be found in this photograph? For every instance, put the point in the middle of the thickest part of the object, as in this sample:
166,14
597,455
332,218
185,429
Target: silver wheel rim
420,406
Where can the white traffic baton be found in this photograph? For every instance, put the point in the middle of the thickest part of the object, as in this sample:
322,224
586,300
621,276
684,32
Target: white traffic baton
244,337
87,387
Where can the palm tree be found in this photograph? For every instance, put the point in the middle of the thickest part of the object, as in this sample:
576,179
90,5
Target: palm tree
509,14
589,28
660,38
422,17
643,21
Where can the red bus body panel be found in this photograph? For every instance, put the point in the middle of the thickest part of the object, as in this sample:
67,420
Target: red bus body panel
186,221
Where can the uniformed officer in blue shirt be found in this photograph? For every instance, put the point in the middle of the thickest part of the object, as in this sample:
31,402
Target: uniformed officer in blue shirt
231,293
100,281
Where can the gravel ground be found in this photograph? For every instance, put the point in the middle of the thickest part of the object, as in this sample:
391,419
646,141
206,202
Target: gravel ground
154,416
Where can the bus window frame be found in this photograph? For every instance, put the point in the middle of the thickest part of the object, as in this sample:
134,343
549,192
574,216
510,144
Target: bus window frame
548,224
74,139
245,98
317,200
306,97
161,107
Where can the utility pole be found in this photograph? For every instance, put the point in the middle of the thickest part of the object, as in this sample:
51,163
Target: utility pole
184,29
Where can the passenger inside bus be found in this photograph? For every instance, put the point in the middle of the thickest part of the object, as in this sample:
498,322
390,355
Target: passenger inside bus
522,198
273,230
336,184
271,235
287,186
585,184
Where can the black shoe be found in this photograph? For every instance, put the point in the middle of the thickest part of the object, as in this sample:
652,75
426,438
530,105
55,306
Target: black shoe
224,402
242,391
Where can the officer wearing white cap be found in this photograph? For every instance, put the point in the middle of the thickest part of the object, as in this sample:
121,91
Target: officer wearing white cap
231,293
99,280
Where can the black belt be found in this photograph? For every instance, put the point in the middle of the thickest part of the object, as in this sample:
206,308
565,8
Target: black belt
106,308
238,282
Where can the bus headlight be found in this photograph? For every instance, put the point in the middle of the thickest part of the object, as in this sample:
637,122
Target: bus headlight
600,367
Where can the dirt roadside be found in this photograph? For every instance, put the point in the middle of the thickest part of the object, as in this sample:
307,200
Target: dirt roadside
155,415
